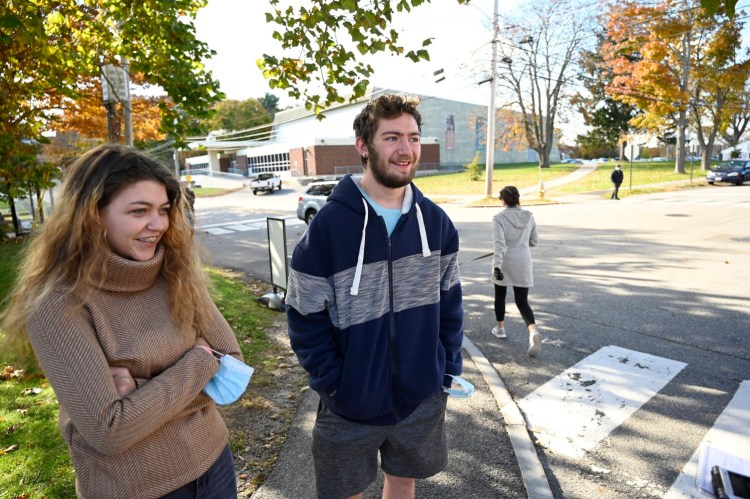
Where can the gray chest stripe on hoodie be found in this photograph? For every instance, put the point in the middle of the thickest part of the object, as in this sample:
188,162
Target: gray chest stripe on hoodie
415,277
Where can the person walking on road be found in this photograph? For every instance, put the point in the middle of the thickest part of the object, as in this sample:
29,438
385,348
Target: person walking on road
513,233
616,177
375,314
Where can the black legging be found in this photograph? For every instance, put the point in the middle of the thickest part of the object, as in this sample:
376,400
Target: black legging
522,302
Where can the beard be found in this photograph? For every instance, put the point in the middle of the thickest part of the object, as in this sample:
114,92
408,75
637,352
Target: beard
380,173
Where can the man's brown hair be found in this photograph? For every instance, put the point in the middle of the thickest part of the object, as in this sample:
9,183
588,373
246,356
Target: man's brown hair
383,106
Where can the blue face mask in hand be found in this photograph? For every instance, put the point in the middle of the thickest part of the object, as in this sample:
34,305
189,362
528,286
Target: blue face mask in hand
468,388
230,381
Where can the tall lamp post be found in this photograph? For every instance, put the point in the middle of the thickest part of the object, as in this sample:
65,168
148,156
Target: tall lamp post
490,160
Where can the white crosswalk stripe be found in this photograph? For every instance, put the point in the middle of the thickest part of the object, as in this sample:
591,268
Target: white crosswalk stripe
574,411
244,226
730,433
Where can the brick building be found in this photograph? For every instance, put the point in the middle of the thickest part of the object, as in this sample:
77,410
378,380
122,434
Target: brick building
453,132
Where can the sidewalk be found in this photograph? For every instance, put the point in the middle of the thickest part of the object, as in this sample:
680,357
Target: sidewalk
490,451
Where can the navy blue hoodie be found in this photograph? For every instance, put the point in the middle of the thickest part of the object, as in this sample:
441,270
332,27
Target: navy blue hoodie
377,322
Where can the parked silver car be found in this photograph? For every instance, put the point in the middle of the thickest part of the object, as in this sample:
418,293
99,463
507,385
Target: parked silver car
313,199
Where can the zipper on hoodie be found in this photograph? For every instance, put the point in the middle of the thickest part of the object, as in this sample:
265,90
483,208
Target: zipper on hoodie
392,331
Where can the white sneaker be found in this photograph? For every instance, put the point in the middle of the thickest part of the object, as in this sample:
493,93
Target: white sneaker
535,344
499,332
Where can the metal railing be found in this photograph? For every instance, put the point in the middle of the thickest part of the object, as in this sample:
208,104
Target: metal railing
205,171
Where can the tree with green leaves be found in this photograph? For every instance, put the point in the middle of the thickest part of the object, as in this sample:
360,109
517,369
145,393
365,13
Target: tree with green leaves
608,119
328,38
714,6
232,115
270,103
48,46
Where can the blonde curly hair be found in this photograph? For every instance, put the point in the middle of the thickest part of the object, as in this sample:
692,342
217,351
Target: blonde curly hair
70,249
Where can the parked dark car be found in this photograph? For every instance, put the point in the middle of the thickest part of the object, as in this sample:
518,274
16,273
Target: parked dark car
313,199
734,171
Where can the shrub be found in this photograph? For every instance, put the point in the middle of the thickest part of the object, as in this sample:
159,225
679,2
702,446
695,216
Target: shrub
475,172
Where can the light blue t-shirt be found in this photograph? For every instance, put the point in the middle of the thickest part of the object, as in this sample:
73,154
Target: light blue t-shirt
390,215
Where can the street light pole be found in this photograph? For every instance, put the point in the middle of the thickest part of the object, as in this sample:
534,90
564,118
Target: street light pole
490,161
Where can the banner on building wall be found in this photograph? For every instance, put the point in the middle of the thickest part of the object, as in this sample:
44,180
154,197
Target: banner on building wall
450,132
480,135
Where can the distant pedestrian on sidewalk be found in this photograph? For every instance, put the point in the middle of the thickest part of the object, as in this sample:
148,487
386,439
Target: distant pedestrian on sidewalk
375,314
616,177
513,233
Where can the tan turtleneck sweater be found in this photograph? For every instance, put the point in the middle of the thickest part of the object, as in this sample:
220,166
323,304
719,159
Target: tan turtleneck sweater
167,432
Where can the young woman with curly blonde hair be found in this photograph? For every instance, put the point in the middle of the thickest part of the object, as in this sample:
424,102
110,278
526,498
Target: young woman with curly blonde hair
113,300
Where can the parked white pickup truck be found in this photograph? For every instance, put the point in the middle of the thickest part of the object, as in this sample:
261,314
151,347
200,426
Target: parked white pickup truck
265,182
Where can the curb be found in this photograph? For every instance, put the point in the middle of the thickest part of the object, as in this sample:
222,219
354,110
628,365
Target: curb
532,472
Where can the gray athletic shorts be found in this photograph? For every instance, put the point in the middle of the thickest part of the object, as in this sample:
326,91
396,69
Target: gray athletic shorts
345,453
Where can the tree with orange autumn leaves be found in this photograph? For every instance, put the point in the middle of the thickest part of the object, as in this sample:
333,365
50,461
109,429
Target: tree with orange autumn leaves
674,61
87,117
48,47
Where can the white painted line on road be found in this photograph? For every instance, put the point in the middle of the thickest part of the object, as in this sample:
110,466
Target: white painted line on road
235,222
730,433
262,221
574,411
243,227
217,231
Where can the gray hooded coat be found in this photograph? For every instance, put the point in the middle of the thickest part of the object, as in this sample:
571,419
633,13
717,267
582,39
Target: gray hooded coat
513,232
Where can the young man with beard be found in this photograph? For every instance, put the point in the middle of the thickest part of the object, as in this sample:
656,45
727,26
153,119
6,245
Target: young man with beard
375,314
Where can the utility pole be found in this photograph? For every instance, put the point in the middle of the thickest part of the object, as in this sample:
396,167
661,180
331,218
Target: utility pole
127,111
490,139
115,90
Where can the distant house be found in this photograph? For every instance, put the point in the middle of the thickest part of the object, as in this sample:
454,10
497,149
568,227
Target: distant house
742,147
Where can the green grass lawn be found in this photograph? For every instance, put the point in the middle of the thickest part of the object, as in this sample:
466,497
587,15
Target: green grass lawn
211,191
519,174
524,175
34,459
642,173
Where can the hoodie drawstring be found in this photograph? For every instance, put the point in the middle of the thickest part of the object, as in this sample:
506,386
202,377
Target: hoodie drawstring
354,291
422,233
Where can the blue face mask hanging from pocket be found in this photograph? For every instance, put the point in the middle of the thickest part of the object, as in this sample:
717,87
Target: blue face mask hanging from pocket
230,381
466,391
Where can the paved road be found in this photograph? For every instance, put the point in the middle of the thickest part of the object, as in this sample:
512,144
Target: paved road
656,281
663,275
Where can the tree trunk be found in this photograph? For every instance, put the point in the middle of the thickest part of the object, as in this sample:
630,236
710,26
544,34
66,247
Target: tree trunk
679,152
40,205
14,216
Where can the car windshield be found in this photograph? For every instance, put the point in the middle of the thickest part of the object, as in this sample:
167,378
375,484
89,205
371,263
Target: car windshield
320,190
735,163
265,176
